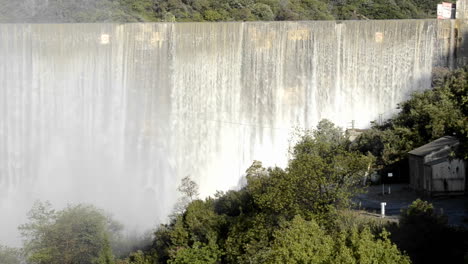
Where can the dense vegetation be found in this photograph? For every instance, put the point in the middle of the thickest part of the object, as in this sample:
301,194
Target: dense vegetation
211,10
9,255
292,215
426,236
298,215
281,215
76,234
426,116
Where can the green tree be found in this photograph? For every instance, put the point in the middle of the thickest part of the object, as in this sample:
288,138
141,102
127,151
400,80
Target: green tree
249,237
263,12
202,222
322,174
212,15
189,188
137,257
198,253
76,234
365,248
423,233
9,255
301,241
424,117
189,191
282,215
210,10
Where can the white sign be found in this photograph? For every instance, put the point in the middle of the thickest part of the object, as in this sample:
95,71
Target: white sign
444,10
379,37
390,174
105,38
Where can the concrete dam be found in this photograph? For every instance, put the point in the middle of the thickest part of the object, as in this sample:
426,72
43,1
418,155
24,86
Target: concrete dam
116,114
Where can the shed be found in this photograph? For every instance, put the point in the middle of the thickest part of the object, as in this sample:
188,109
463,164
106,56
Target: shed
433,169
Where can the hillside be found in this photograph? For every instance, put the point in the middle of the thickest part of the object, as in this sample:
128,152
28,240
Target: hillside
67,11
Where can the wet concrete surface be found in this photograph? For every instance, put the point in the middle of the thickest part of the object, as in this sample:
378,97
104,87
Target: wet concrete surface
401,196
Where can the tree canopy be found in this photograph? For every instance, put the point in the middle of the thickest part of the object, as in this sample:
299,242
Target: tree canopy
210,10
9,255
424,117
322,174
76,234
281,215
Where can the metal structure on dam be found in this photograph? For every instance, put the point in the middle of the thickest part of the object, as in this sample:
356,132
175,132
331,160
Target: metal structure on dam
117,114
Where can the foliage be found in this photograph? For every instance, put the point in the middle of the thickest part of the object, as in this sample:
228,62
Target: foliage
365,248
137,257
189,190
321,175
421,211
193,236
69,11
124,245
9,255
76,234
281,215
198,253
300,241
248,238
424,234
290,215
326,172
426,116
348,219
210,10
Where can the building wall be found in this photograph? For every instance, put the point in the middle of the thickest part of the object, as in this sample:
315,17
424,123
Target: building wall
427,178
448,176
416,172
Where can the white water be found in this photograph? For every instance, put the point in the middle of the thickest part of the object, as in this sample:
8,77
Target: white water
116,115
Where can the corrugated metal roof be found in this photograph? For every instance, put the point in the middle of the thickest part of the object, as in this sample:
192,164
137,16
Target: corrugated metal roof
435,145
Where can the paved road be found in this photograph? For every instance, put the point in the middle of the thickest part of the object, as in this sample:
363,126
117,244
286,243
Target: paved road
456,208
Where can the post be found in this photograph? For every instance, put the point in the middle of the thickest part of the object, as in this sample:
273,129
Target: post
382,209
390,175
383,188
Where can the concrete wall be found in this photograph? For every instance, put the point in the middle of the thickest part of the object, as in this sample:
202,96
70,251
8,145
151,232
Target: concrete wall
461,9
89,112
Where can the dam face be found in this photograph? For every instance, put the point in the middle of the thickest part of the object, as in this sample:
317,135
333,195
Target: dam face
116,114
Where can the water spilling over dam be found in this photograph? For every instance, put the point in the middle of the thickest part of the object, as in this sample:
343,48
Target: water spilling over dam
117,114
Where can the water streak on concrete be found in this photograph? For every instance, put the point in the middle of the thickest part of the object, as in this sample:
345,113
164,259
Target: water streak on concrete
116,114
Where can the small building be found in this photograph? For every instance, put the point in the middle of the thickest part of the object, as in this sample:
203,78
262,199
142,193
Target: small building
434,170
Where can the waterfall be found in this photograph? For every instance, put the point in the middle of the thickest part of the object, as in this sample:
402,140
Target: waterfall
117,114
